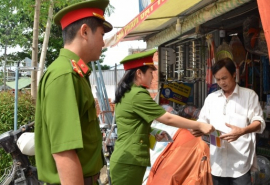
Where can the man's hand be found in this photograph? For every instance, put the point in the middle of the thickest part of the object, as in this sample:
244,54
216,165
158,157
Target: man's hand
196,133
206,128
235,133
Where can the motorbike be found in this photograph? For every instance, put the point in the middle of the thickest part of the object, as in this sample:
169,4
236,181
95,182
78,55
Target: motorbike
20,145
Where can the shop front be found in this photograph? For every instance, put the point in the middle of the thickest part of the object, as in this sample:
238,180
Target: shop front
237,33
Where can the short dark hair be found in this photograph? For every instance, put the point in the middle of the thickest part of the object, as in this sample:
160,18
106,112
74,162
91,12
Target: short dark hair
71,30
225,62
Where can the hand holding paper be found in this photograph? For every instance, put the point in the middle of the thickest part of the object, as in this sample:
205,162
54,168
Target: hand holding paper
196,133
214,139
206,128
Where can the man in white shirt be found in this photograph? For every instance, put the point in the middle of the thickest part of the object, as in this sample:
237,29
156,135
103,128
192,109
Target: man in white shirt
236,112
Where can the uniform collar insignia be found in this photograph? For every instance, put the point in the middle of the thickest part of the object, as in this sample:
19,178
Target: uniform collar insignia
144,86
85,69
80,67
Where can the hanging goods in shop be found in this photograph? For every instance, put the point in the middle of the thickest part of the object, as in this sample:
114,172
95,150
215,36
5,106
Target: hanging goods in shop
167,59
266,76
244,68
210,61
254,39
262,176
179,67
193,68
224,51
239,54
189,111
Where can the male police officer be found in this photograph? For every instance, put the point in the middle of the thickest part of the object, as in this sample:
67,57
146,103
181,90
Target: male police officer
67,135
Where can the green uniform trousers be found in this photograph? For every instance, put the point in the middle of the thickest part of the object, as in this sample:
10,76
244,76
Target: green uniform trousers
126,174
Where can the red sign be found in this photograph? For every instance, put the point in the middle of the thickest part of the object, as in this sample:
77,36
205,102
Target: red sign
139,19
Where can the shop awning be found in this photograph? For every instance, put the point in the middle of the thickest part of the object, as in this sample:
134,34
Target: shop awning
157,16
22,82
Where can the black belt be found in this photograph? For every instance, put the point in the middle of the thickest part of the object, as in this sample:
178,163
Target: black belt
88,180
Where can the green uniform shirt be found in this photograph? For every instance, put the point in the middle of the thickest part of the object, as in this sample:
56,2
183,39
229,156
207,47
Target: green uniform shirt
66,120
134,115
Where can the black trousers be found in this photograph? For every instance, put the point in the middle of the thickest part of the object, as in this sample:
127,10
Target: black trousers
88,180
243,180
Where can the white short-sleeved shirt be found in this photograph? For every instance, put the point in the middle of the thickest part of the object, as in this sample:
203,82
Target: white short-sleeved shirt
241,108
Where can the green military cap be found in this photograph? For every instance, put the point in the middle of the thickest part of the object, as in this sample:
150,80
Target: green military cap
139,59
92,8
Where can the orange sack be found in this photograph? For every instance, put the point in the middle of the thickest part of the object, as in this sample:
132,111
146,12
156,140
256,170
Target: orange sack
184,161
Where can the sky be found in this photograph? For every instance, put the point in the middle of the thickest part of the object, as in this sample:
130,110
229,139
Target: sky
125,11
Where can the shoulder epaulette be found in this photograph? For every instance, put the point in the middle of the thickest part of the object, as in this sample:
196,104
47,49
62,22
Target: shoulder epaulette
76,67
80,67
85,69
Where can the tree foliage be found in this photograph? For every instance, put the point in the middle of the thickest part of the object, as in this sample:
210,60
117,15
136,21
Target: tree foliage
16,28
1,80
11,25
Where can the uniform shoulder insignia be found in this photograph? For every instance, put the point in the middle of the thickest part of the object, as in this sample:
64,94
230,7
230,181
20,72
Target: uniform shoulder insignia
76,68
85,69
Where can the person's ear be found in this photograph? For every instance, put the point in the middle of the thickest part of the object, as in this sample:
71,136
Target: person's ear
84,31
138,73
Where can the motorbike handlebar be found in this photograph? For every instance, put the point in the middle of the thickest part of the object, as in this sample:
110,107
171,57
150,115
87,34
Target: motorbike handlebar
7,138
23,128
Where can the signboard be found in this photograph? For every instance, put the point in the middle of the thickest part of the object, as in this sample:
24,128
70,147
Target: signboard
178,93
191,95
139,19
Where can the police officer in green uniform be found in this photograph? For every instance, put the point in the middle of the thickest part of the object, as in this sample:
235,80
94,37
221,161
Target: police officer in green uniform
135,110
67,135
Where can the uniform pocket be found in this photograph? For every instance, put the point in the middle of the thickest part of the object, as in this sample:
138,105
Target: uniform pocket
140,145
90,128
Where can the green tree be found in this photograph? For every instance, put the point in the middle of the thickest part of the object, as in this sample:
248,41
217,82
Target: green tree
1,78
11,28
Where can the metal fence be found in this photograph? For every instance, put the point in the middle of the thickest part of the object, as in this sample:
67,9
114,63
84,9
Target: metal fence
109,77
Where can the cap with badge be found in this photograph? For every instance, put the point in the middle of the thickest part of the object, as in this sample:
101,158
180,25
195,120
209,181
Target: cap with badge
92,8
139,59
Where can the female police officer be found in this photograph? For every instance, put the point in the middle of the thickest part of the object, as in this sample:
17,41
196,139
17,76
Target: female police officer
135,110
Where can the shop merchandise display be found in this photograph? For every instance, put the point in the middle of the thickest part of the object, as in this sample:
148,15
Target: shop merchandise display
262,176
